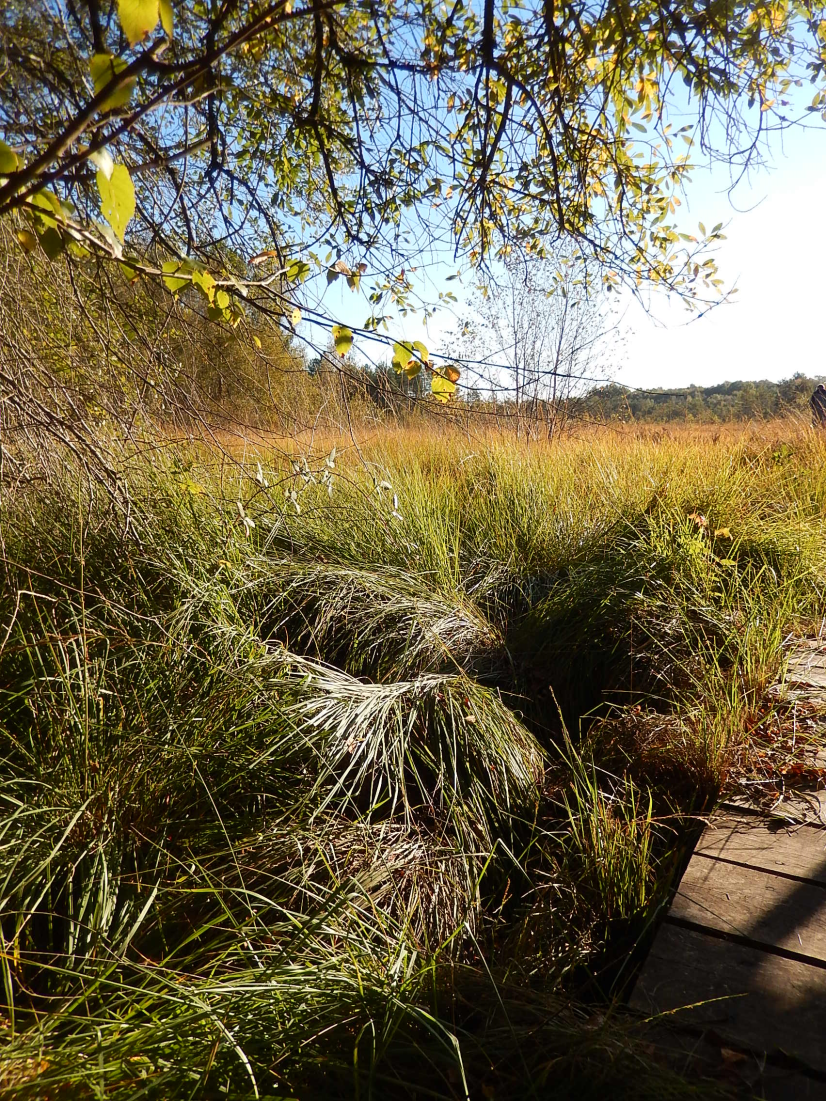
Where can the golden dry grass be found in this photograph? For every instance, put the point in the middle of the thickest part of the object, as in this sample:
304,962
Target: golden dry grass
455,433
270,674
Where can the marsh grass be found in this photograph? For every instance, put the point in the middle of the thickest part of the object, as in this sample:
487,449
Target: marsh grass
352,793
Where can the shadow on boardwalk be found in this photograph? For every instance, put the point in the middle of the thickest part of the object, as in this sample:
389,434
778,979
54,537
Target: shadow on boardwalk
739,964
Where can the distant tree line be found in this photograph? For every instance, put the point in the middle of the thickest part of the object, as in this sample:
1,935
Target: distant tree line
728,401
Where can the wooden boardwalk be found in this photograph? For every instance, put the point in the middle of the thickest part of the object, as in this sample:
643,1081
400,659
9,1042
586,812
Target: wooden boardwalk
735,982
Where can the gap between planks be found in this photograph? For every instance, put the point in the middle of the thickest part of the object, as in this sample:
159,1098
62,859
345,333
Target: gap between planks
741,956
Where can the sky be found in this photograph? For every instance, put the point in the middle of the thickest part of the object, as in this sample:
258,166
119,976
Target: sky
775,256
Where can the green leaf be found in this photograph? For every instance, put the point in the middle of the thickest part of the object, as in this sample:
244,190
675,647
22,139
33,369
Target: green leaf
167,17
221,299
130,271
117,196
47,210
46,200
171,269
9,161
409,357
52,243
297,271
104,68
204,282
138,18
343,339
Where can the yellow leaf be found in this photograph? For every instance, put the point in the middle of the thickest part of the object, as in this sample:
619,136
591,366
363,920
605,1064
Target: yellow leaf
402,357
104,68
102,159
167,17
172,270
409,357
722,533
27,239
117,198
205,283
138,18
8,159
295,317
343,339
442,388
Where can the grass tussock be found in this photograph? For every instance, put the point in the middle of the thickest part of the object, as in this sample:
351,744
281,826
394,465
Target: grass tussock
363,776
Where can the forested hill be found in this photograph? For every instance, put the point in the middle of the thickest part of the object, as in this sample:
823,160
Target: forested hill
729,401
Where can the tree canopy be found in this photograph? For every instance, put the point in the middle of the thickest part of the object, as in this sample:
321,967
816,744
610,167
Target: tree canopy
728,401
252,148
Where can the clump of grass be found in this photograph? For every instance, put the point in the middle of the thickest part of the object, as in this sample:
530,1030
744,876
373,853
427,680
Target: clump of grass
610,843
285,801
381,622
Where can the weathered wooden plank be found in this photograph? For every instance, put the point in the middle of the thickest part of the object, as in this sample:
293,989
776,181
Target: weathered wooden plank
761,843
741,958
796,808
747,902
769,1004
807,664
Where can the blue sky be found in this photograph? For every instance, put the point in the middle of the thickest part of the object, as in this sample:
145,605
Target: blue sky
775,255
